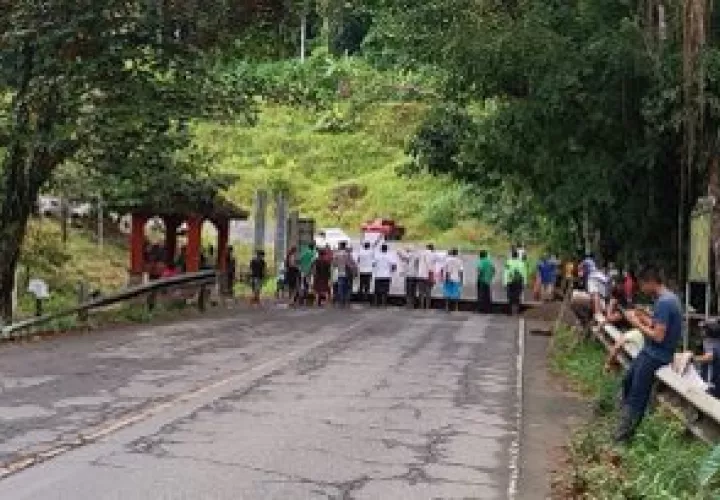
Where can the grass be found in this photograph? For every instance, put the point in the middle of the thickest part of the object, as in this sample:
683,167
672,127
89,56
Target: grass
661,463
64,266
343,178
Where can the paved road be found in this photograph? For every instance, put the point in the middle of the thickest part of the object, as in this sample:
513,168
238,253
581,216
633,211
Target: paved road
286,404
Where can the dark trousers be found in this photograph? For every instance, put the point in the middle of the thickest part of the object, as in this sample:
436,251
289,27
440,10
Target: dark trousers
382,290
514,294
424,288
484,297
410,291
365,282
342,294
637,384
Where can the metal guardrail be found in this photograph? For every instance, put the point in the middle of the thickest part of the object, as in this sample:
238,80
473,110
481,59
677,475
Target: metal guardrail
202,280
699,411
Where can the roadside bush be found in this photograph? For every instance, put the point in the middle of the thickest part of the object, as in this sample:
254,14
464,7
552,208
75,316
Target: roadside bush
324,79
663,461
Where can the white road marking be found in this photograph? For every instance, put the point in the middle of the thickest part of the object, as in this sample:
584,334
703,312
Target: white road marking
516,443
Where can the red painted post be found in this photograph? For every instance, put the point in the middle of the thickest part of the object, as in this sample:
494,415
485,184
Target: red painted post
137,245
171,227
194,241
223,229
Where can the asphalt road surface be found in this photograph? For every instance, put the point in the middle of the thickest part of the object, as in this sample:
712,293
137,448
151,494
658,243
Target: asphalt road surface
270,404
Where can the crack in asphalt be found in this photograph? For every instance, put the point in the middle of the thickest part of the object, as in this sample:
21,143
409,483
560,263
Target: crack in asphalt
463,383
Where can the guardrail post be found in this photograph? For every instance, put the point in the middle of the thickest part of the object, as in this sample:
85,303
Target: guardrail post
202,298
82,297
151,301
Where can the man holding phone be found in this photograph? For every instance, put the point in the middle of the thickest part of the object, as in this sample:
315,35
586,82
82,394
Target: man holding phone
662,333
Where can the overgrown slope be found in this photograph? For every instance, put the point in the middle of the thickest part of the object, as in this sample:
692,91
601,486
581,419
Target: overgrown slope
342,167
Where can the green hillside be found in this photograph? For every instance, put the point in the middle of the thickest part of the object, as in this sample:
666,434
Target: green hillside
342,178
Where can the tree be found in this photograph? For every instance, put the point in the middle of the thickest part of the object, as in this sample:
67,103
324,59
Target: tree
110,85
579,108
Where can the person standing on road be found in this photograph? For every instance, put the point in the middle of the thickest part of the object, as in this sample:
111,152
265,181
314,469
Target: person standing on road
258,272
485,277
364,261
343,266
322,275
425,276
307,258
662,334
547,272
384,267
409,258
515,279
453,271
293,276
230,266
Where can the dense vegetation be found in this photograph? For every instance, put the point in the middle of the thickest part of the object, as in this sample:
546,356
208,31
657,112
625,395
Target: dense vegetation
664,461
342,159
598,114
567,121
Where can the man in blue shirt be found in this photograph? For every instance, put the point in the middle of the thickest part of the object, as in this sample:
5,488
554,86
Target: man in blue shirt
587,266
547,271
662,334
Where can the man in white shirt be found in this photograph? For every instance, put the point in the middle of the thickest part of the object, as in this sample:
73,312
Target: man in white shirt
453,272
409,258
598,287
425,275
364,261
384,267
343,269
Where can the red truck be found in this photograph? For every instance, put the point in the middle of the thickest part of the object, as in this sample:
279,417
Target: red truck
386,227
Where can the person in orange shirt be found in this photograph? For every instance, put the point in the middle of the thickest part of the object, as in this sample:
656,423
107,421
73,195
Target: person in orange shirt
568,275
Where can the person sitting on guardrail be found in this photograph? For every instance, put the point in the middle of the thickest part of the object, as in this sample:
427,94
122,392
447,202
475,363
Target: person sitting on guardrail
616,307
586,267
709,359
632,337
598,286
662,334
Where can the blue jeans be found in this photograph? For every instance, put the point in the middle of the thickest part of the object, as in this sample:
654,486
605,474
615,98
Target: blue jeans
638,382
343,290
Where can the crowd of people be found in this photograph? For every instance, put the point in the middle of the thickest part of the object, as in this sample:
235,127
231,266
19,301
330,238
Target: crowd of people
325,276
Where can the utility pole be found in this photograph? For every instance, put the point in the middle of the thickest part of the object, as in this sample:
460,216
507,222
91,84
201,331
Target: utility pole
100,223
303,31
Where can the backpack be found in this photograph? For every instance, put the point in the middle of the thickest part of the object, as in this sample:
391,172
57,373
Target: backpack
516,277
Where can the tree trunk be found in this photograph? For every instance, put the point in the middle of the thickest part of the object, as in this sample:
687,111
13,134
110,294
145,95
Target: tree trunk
20,195
714,192
27,165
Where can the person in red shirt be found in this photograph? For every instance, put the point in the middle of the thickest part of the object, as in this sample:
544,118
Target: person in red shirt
629,286
169,271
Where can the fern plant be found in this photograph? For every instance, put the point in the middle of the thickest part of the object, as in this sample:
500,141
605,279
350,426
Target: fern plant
709,469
